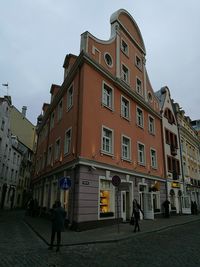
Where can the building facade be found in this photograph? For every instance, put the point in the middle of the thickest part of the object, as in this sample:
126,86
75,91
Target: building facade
10,157
190,146
172,151
103,121
14,174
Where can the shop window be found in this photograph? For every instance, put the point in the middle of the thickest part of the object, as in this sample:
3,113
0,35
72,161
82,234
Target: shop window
106,199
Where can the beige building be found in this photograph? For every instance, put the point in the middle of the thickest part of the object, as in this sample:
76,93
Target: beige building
25,133
190,154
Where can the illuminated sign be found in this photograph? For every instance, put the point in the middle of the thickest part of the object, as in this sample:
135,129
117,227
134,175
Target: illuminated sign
175,185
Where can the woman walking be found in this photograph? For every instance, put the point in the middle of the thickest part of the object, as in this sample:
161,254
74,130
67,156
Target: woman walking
136,214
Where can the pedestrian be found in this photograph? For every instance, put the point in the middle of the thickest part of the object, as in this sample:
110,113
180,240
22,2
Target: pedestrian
195,208
136,214
12,201
166,204
192,207
58,220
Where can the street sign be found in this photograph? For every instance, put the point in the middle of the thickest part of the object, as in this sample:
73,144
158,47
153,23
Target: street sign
65,183
116,180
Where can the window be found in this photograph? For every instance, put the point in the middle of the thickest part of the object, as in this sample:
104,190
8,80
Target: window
107,96
141,154
153,158
138,62
139,86
169,116
173,165
140,120
106,201
60,107
57,149
125,74
151,125
126,148
125,108
108,59
107,140
124,47
67,145
70,97
52,120
49,155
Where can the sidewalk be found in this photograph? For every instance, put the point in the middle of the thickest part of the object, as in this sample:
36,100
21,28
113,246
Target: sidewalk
42,227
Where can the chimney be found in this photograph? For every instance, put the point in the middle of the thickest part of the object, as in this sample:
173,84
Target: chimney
24,108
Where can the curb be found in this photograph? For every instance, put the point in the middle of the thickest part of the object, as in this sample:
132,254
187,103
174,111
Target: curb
111,240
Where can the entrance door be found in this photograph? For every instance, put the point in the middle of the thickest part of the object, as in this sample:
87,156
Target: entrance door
123,205
148,205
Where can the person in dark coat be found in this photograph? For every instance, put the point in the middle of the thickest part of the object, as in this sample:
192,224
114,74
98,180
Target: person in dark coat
136,214
192,207
166,204
58,220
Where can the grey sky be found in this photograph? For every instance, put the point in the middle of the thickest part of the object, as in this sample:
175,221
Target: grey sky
36,35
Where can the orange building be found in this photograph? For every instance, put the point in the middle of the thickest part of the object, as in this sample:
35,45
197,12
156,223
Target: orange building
103,121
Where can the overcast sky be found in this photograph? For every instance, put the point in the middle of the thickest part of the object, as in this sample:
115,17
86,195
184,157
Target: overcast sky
35,37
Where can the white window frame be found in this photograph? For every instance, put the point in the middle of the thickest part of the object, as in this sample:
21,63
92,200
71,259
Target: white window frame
151,124
125,51
68,141
111,141
128,157
154,166
139,118
70,96
139,86
139,66
106,98
123,107
57,149
124,74
142,153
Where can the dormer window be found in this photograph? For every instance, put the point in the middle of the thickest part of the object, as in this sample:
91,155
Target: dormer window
124,47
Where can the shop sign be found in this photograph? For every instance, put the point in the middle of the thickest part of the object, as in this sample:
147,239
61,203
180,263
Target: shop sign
85,182
116,180
175,185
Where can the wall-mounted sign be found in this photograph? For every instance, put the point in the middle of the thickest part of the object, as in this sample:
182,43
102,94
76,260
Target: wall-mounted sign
116,180
175,185
65,183
85,182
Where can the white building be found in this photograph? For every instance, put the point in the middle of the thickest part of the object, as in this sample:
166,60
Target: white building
10,157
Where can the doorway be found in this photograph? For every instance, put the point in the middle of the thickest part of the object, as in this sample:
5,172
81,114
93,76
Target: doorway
125,205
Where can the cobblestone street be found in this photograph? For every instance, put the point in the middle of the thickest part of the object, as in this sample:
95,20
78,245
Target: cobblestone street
176,246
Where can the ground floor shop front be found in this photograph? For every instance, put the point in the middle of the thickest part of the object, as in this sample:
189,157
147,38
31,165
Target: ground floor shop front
92,200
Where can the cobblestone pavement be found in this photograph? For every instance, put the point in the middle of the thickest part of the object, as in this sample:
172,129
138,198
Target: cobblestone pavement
176,246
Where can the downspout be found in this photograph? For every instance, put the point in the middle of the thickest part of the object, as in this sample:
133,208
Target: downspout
165,168
76,151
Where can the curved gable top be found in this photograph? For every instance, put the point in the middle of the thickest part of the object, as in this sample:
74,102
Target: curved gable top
128,22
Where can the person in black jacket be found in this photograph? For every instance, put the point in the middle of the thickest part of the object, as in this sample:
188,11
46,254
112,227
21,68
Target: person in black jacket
136,214
58,220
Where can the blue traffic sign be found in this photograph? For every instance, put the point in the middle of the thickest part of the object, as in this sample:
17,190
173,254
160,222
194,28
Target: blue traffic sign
65,183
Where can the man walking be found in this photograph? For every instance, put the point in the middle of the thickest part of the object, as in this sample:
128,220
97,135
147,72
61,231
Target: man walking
58,220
